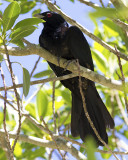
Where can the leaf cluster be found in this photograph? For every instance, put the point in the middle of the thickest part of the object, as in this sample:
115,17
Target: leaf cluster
105,62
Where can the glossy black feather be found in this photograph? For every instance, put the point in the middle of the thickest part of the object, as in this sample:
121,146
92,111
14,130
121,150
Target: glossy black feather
70,43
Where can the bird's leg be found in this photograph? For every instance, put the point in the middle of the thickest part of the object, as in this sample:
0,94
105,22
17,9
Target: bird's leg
69,62
58,60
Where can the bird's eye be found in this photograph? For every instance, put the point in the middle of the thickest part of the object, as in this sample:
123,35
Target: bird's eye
49,15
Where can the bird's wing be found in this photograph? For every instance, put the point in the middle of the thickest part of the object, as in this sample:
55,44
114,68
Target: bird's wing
79,47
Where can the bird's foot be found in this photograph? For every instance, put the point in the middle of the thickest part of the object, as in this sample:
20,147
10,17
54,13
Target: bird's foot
58,60
68,62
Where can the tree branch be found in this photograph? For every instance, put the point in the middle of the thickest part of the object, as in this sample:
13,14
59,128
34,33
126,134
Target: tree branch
118,4
41,81
7,138
84,30
63,145
117,21
89,3
121,24
50,144
84,72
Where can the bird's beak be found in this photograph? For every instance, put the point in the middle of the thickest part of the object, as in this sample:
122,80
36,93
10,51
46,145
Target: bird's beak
38,15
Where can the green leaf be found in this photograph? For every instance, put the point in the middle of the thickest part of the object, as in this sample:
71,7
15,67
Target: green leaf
66,96
42,103
26,82
28,22
18,150
2,116
1,41
42,74
19,43
103,12
10,15
2,154
91,148
112,28
109,12
72,1
1,58
112,61
36,12
100,60
28,127
31,108
27,6
22,32
125,69
105,156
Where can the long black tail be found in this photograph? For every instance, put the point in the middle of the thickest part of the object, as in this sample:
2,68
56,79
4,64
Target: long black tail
97,112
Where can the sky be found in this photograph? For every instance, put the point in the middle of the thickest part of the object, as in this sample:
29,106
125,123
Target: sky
77,11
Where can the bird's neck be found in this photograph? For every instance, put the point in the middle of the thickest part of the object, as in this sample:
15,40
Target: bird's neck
49,29
56,30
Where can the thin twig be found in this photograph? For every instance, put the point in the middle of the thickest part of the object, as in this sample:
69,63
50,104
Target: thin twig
33,95
27,42
10,151
119,4
84,146
3,145
121,24
42,81
88,116
116,141
7,101
83,29
63,145
102,3
87,73
16,94
50,144
121,108
69,113
35,66
123,80
114,130
53,107
50,154
35,122
89,3
50,133
109,4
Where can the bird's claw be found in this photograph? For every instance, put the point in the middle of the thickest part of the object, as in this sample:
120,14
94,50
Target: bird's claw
58,60
68,62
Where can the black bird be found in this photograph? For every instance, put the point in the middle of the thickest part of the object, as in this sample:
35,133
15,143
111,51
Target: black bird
69,43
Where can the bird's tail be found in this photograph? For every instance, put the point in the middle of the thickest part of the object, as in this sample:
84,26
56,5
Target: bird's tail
97,111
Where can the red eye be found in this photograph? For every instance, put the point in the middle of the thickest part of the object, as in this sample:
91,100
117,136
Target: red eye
49,15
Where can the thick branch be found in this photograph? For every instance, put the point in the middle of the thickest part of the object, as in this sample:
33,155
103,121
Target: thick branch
50,144
84,72
63,145
118,4
89,3
121,24
92,36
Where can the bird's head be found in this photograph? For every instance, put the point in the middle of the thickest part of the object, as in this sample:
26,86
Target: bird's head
51,19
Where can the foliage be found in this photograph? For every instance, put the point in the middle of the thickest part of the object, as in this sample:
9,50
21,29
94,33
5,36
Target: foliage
106,63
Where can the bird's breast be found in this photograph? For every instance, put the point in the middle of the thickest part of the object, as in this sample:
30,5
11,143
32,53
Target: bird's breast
56,46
